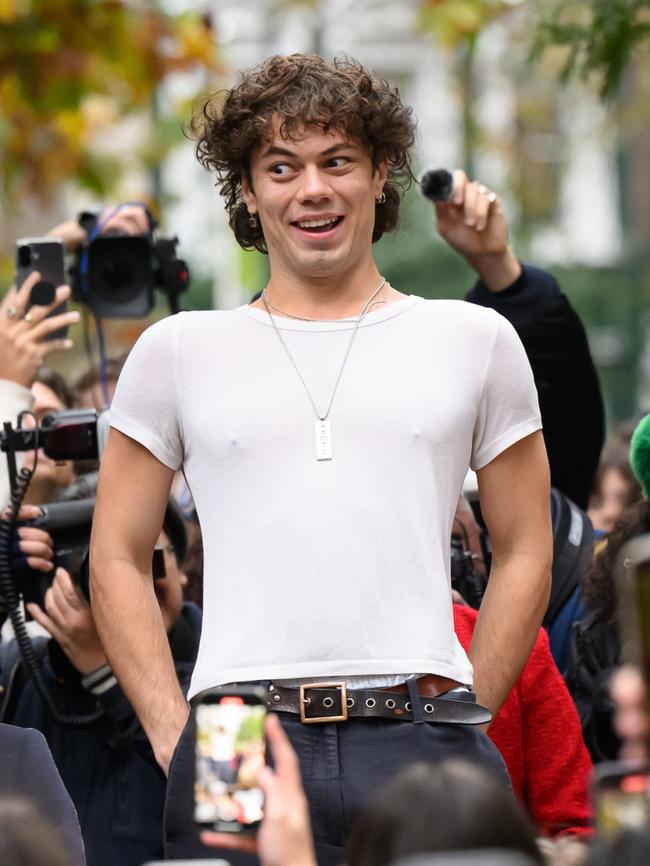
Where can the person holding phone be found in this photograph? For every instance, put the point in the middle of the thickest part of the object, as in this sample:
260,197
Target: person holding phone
325,432
28,331
24,346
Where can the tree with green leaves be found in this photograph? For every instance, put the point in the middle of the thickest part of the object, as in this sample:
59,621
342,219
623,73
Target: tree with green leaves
601,37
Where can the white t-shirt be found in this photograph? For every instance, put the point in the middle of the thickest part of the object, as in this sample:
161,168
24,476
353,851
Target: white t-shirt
340,567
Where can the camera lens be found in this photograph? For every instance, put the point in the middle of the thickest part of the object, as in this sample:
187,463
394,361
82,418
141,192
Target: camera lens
120,276
118,280
24,256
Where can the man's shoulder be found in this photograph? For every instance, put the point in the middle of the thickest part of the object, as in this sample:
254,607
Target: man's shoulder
193,321
173,334
447,313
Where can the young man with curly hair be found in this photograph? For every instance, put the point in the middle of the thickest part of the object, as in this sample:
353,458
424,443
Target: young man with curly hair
328,458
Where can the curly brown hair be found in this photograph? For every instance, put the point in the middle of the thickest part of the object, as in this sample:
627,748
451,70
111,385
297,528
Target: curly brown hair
303,90
598,588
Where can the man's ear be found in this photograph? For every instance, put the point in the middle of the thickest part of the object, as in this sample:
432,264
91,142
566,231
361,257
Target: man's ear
380,176
247,194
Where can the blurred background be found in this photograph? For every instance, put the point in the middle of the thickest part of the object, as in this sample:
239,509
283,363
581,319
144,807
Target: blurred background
548,103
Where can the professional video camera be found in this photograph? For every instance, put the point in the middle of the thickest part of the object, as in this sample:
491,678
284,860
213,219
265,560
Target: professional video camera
76,434
69,435
115,274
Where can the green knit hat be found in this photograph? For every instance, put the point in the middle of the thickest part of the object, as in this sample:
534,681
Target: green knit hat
640,454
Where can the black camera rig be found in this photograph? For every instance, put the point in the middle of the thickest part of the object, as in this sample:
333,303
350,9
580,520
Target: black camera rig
69,435
115,274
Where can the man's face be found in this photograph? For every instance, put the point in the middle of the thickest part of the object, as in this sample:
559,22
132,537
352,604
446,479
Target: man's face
169,589
315,199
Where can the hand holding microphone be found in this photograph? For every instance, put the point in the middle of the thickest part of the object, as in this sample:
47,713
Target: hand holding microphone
470,219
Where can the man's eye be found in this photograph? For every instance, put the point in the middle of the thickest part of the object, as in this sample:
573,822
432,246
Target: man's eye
338,161
280,168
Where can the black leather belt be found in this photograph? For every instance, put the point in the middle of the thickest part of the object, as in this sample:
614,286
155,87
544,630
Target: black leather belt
332,702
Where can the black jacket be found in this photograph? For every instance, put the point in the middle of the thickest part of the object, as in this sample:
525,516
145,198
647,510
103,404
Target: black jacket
108,768
27,770
570,399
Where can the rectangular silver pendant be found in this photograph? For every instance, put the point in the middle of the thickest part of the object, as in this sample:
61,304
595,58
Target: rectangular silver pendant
323,434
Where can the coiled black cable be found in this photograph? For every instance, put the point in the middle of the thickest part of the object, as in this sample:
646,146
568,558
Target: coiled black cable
12,597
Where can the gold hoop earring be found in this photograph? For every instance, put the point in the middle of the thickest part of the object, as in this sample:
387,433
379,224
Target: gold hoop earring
252,221
382,198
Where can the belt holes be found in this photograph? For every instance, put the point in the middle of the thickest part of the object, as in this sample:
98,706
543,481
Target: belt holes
428,708
408,706
350,703
390,704
328,702
370,703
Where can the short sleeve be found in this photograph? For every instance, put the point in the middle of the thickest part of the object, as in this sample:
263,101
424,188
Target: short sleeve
145,406
509,408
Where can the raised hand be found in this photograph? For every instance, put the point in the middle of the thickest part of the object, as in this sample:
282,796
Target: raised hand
24,343
473,222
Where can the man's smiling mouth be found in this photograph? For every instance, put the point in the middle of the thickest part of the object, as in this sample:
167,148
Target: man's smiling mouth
318,226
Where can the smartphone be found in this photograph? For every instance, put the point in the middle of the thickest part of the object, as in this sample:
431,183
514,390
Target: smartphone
632,576
45,255
621,796
230,749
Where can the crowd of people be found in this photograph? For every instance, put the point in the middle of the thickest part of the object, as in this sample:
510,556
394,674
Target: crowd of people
433,547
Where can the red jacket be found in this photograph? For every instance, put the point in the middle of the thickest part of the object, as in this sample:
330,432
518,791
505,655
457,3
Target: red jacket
538,733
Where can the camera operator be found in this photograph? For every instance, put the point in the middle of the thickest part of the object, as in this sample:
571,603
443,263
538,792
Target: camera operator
108,767
50,393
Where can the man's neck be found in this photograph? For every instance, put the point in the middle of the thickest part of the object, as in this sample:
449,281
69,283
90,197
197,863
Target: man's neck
330,297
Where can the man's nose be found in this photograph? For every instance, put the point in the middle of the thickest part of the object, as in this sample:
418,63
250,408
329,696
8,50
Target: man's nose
315,185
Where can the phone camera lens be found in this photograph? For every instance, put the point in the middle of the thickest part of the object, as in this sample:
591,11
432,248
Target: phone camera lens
24,256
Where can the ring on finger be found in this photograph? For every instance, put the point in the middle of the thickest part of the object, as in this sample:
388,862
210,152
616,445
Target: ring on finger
27,317
12,312
492,196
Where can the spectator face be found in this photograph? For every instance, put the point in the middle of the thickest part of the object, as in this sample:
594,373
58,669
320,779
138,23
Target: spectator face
93,398
606,505
50,476
169,589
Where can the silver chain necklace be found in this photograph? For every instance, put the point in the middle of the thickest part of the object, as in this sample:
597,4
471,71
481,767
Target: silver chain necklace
322,427
324,321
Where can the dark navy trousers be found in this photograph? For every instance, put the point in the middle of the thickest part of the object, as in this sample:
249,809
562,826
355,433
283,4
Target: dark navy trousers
342,765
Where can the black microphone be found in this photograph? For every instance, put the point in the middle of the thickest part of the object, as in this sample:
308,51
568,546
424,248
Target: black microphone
437,185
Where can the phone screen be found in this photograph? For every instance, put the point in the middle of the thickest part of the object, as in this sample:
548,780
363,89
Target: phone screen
230,751
622,797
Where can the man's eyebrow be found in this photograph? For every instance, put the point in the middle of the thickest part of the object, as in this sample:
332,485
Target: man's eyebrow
278,150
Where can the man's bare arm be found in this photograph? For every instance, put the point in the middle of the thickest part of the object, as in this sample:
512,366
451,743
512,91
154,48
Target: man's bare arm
131,500
514,492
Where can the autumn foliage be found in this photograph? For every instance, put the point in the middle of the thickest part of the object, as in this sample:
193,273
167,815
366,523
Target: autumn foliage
71,68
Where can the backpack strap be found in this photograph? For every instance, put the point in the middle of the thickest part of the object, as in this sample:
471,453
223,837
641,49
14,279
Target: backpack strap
573,538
